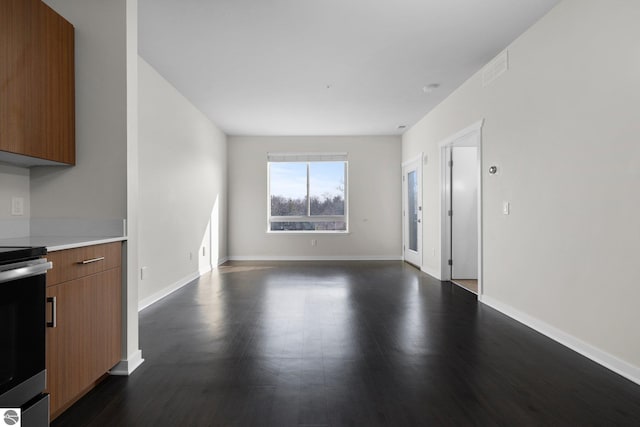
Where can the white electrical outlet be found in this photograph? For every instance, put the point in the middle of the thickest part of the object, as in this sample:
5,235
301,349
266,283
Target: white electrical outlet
17,206
314,242
144,273
506,208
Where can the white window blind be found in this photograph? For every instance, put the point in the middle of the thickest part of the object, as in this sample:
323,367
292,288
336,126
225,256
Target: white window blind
307,157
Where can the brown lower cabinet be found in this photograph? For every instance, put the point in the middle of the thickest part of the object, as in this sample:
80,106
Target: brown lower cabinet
86,340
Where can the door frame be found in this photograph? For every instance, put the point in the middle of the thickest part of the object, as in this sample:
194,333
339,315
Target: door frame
470,136
418,161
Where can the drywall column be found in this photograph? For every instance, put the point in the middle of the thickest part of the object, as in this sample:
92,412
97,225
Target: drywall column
131,353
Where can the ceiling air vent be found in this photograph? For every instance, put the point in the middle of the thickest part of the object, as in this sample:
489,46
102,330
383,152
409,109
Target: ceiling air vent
495,68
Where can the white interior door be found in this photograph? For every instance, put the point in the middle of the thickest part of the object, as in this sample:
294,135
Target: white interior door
412,211
464,216
461,219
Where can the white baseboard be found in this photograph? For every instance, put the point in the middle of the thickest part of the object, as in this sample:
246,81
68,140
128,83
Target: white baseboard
167,291
435,273
126,367
223,260
605,359
316,258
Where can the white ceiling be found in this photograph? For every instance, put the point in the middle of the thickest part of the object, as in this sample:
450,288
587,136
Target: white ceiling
324,67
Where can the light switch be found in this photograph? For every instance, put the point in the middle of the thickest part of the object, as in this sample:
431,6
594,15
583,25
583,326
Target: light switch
17,206
505,208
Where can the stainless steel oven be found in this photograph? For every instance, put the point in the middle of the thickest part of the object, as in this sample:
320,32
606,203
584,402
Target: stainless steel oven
22,334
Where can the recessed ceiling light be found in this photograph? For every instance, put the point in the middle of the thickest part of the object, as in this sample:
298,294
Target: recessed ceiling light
430,87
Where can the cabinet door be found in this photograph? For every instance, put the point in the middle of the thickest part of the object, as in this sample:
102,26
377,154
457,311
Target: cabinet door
106,322
37,88
20,81
85,343
68,368
58,95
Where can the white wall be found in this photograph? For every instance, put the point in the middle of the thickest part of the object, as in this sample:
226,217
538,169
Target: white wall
14,182
96,187
562,126
182,159
374,200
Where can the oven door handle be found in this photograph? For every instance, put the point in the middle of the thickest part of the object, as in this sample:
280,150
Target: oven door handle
22,270
54,315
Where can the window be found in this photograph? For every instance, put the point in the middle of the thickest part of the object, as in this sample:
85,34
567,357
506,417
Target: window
307,192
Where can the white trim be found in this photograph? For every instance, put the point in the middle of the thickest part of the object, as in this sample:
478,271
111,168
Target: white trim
310,218
433,272
480,218
414,159
126,367
455,140
316,258
464,132
223,260
152,299
445,220
609,361
285,233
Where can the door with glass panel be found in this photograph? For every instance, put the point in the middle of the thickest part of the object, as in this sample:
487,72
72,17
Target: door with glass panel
412,212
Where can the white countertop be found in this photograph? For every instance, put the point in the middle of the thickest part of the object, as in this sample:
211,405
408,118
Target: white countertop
59,243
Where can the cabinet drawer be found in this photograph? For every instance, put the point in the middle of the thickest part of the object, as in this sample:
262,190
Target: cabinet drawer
72,264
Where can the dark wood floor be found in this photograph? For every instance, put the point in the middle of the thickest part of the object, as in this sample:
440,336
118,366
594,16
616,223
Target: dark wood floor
347,344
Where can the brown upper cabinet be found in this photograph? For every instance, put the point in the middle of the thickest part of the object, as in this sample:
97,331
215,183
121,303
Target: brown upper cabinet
37,82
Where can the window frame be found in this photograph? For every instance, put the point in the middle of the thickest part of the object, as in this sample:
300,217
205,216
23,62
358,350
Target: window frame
308,158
